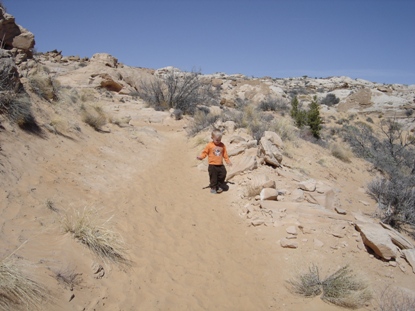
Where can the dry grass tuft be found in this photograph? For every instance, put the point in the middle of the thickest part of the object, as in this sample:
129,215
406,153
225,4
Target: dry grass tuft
18,291
87,227
68,277
342,288
306,284
94,116
340,152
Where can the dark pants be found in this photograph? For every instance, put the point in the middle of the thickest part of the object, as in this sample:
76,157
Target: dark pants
217,175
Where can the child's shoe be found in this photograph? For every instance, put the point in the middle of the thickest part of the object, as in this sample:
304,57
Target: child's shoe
213,190
220,190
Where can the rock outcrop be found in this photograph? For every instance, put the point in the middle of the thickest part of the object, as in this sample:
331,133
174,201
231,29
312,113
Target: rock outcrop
15,38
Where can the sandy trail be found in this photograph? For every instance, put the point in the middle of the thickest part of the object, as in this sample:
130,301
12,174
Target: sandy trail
191,251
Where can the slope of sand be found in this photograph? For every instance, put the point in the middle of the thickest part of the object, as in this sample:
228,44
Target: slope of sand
189,249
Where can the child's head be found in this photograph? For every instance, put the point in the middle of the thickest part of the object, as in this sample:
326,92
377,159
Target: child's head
216,136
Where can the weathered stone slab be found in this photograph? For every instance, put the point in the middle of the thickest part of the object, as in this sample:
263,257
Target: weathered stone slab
376,238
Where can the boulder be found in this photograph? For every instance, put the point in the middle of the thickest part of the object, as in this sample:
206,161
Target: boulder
291,230
287,243
269,194
14,35
397,238
274,138
308,185
409,255
377,239
247,163
104,58
236,150
269,152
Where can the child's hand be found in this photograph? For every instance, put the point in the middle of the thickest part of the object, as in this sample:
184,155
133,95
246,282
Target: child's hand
230,163
199,158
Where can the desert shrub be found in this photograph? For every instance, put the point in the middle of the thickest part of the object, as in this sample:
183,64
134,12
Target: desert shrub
17,290
393,154
177,114
409,112
369,119
396,199
94,116
330,100
44,86
342,288
285,129
393,299
340,152
345,289
201,121
306,284
178,90
273,104
87,227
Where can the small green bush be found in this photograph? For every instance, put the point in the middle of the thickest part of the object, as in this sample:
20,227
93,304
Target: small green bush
330,100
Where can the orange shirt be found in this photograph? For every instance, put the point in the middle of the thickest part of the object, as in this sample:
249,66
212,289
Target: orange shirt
215,153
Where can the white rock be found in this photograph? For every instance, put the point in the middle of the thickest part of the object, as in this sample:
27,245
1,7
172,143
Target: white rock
377,239
269,194
308,185
291,230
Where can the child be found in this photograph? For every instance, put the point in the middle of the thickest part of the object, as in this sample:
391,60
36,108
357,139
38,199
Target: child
216,152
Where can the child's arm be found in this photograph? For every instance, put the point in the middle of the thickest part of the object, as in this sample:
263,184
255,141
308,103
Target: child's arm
204,153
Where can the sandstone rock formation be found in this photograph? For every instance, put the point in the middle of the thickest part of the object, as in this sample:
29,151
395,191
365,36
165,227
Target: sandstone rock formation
15,38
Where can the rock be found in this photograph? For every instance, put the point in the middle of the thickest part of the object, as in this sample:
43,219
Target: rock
340,211
269,152
287,243
257,222
318,243
274,138
298,195
291,230
104,58
377,239
24,41
108,82
269,194
410,257
247,163
237,139
397,238
308,185
13,35
98,270
235,151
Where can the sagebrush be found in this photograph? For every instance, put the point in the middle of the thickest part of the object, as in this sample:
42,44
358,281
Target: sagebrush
343,288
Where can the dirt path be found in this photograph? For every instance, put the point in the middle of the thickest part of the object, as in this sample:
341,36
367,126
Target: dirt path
191,253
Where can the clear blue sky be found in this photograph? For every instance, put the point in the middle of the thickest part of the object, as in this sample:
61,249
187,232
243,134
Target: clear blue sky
368,39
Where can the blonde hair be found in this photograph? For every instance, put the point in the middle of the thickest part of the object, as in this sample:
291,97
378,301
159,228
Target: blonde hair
216,133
